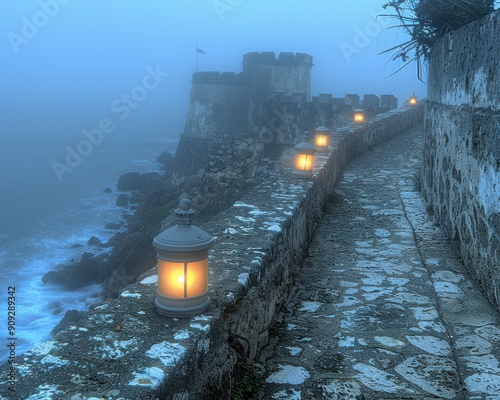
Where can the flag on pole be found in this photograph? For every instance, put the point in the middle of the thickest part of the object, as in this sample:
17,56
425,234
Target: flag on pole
198,51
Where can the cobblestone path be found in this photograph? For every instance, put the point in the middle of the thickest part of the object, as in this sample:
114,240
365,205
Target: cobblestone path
383,308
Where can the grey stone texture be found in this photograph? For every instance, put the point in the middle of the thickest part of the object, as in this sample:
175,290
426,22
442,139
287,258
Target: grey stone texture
383,308
289,73
123,349
461,158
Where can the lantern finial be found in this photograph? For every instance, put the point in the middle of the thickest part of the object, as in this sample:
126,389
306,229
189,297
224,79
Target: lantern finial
184,213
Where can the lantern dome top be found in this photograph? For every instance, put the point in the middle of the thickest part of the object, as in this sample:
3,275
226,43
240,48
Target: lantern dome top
322,129
183,237
305,147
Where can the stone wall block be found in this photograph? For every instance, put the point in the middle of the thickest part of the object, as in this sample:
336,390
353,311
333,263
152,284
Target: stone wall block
460,167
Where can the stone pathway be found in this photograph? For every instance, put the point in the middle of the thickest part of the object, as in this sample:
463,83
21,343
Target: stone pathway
383,308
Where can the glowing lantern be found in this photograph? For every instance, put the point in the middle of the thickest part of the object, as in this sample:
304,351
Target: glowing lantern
182,266
413,100
321,138
303,164
359,116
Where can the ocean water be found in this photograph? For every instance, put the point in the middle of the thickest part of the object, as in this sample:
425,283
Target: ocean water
43,216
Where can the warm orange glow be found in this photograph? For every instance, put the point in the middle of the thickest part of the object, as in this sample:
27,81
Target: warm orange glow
172,280
413,100
304,162
359,117
321,140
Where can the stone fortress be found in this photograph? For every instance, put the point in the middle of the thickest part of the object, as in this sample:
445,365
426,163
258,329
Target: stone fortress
256,114
238,131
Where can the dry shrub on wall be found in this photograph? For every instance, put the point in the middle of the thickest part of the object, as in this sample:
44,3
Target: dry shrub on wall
426,20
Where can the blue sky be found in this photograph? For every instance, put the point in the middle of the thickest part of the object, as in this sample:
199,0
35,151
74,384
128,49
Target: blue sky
74,58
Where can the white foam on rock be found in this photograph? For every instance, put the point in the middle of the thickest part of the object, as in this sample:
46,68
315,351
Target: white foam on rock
167,353
151,377
289,374
150,280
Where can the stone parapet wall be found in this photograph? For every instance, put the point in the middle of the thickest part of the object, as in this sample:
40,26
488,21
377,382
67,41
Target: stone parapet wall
124,349
461,158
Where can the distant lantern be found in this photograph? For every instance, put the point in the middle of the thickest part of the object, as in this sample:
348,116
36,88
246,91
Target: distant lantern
413,100
359,116
321,138
183,266
304,158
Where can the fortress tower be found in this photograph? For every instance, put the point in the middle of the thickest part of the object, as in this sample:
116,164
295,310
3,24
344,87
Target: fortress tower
288,74
219,105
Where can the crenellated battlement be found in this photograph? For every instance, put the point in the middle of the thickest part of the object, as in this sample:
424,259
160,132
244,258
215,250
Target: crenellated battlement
269,58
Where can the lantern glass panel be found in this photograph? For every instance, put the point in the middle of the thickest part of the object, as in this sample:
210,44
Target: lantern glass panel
321,140
304,162
413,100
359,117
181,280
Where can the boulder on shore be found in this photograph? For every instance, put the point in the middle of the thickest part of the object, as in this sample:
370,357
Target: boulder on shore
135,198
166,159
77,275
131,257
114,225
87,256
93,241
122,200
71,318
131,181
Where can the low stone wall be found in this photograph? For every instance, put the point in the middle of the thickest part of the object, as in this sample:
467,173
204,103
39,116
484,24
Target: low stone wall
461,159
124,349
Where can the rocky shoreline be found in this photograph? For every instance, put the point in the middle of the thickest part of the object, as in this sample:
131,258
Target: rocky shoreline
130,251
152,197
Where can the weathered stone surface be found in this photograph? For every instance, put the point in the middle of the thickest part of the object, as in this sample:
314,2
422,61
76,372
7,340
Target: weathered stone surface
461,168
406,320
124,349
